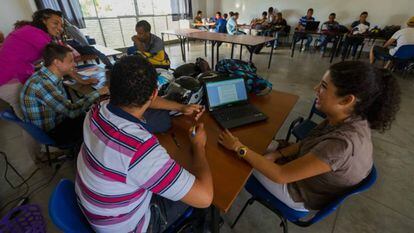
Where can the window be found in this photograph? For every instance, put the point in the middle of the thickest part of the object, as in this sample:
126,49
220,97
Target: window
112,22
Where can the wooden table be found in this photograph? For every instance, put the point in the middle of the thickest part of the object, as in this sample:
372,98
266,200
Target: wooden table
338,37
229,172
182,35
107,51
250,42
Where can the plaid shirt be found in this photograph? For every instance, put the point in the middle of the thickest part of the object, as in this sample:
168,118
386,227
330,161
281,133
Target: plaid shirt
45,103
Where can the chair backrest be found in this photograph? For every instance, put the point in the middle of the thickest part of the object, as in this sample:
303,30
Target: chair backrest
33,130
314,110
405,52
363,186
64,209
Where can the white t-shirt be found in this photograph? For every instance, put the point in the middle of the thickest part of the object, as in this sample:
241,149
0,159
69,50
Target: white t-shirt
404,37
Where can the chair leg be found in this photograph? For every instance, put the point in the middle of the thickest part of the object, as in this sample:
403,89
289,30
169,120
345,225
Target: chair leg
249,202
49,160
284,224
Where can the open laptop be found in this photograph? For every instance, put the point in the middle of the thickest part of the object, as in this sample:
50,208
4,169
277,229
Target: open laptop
312,25
228,103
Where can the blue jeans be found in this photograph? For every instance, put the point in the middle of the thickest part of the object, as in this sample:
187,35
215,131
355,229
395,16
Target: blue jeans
298,37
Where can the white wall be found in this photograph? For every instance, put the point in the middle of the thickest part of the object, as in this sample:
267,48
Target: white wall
381,12
13,10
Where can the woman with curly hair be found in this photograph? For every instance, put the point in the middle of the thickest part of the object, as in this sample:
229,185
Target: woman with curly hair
338,154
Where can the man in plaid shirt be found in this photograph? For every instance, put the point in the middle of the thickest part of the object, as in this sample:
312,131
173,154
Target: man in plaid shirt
45,102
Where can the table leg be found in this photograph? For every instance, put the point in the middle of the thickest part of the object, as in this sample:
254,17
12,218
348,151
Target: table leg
205,48
251,49
271,55
360,51
293,45
232,51
185,55
181,46
212,54
217,52
335,47
188,45
215,219
241,50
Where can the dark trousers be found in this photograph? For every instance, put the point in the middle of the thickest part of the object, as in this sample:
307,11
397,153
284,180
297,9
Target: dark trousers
354,42
165,212
68,131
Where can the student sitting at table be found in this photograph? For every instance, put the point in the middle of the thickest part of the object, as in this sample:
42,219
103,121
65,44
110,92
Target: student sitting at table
279,28
401,37
46,104
328,28
126,181
221,23
150,45
225,16
259,23
338,154
356,38
199,20
301,27
232,25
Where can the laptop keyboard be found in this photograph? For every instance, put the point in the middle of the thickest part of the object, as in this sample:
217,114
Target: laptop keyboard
236,112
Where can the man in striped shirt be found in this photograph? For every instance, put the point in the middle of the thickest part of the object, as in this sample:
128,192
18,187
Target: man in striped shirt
301,27
121,163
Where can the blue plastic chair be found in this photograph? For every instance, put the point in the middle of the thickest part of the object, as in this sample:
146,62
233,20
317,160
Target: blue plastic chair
68,217
403,58
38,134
300,127
285,213
64,210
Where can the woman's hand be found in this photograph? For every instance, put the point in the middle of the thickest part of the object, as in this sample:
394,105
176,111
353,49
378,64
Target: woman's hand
229,141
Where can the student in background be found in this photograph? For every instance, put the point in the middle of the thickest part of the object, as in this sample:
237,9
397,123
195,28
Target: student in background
329,27
356,38
150,45
232,25
301,27
225,16
402,37
199,20
257,23
280,27
44,100
271,16
221,23
122,170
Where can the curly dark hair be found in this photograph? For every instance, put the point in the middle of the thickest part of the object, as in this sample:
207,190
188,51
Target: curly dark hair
377,91
143,24
133,81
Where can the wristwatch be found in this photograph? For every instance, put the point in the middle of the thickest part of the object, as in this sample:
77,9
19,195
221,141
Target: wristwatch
241,151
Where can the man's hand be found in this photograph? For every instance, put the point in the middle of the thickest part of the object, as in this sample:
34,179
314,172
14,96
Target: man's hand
199,139
138,43
195,110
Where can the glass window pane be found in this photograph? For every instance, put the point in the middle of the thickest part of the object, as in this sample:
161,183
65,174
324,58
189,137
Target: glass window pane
94,31
162,7
112,32
171,26
114,8
88,9
160,25
128,30
145,7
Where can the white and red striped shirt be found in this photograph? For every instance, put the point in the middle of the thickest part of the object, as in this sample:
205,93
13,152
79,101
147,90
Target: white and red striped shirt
119,167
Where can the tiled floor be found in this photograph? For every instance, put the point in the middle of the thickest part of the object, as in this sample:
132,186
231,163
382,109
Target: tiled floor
387,207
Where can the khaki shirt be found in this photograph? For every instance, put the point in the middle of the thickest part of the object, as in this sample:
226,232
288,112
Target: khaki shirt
347,149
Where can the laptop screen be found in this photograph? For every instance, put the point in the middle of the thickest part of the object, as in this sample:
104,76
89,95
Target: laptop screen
225,92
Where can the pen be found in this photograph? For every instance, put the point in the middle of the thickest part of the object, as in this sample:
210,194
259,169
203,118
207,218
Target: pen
175,140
